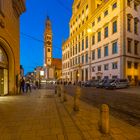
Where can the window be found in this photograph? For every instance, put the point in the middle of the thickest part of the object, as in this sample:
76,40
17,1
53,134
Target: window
82,44
136,47
106,32
93,24
99,53
114,6
1,7
49,50
135,6
83,12
114,48
114,27
87,42
93,69
106,13
99,36
128,24
129,65
76,49
114,65
106,67
86,58
79,47
129,2
93,40
99,19
129,45
79,60
136,25
82,59
135,65
87,7
93,55
99,68
106,50
87,18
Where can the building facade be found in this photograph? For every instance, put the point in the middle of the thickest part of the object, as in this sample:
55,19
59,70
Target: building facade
10,11
52,66
104,41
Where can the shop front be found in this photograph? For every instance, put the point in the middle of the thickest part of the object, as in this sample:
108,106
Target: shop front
3,72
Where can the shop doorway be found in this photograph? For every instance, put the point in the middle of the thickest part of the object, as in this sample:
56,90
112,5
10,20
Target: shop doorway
3,72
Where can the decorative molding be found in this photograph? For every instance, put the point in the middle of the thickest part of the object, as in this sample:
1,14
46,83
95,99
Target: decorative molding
19,6
2,25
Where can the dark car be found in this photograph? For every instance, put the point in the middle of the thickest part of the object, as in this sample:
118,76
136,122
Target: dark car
91,83
117,83
101,83
110,84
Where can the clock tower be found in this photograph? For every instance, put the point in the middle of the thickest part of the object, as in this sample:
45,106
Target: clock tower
48,43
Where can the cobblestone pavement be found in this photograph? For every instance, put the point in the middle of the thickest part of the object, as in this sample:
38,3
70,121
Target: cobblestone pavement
124,103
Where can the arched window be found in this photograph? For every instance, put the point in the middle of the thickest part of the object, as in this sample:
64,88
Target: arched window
49,49
3,56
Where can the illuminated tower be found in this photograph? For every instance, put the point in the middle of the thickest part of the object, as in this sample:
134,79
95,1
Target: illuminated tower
48,43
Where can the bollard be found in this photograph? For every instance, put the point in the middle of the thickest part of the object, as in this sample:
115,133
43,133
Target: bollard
76,99
59,91
56,89
63,92
104,119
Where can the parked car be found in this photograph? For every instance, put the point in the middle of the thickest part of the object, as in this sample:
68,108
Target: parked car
91,83
117,83
101,83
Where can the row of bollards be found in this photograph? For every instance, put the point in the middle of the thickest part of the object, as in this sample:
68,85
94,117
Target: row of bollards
104,110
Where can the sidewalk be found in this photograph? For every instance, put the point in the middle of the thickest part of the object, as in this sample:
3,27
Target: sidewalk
87,121
42,115
36,116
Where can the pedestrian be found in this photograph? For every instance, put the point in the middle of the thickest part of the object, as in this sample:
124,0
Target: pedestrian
22,84
36,84
28,85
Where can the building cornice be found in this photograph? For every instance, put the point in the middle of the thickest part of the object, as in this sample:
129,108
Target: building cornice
19,6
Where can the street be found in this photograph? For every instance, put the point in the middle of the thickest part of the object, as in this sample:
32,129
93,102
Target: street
123,105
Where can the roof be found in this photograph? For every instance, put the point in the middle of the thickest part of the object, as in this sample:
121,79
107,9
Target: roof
57,63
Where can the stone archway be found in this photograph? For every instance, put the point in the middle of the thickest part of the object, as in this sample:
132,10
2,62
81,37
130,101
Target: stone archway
11,66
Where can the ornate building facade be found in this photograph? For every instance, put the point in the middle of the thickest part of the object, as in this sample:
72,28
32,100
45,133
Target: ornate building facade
104,41
10,11
53,66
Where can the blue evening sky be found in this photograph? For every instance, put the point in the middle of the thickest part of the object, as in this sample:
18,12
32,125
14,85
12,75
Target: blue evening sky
32,26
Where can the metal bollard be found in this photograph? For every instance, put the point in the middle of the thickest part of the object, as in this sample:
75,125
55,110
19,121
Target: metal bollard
76,99
104,119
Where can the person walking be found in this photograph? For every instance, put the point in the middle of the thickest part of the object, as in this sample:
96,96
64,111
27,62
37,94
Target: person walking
22,84
28,85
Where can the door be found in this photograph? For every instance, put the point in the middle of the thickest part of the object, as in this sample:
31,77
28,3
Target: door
1,81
